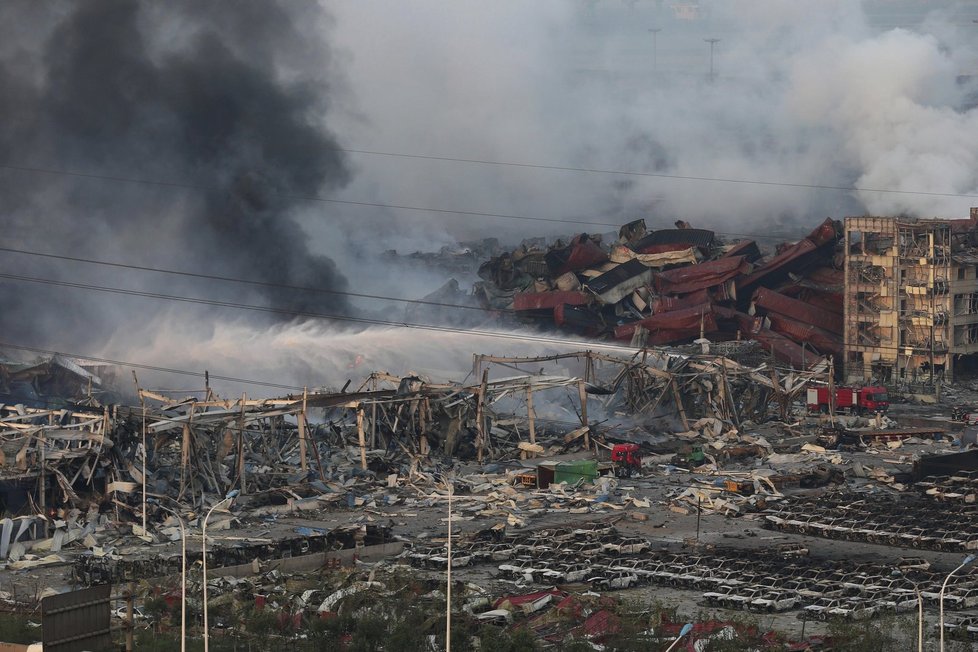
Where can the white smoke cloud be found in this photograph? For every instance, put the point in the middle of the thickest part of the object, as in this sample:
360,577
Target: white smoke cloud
807,93
890,103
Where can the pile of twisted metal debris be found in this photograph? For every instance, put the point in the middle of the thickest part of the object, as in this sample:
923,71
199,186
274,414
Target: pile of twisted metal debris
73,470
673,286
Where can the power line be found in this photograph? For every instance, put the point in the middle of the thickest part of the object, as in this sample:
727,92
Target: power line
315,198
541,339
445,211
239,280
123,363
656,175
315,315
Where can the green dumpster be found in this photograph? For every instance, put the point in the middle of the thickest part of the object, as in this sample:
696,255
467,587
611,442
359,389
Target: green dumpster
572,472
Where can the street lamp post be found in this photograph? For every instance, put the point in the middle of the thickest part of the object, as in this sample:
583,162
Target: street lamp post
224,504
687,628
920,618
920,609
448,588
183,575
712,42
967,560
655,47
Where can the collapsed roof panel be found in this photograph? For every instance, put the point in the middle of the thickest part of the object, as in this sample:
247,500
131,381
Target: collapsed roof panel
701,238
772,301
615,285
685,280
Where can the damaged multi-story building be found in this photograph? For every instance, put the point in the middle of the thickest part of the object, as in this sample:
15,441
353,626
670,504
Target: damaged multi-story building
911,311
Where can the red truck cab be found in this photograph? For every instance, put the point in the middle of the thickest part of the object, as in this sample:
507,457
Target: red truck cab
627,459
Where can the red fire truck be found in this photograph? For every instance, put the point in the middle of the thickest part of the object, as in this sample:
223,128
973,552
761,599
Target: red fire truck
856,400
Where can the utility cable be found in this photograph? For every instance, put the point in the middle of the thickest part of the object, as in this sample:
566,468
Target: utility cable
137,365
657,175
315,315
230,279
470,213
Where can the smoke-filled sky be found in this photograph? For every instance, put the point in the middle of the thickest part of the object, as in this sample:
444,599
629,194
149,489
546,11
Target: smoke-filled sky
242,114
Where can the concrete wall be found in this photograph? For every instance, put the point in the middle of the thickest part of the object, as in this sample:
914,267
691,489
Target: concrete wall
311,562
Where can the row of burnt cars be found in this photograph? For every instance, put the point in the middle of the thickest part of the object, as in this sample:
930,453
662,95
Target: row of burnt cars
765,579
919,520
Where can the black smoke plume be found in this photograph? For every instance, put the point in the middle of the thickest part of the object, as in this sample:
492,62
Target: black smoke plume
226,100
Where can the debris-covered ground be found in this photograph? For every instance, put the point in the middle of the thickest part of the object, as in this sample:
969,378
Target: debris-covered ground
734,496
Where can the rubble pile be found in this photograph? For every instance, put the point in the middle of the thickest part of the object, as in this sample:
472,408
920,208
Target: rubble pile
941,516
53,381
673,286
79,476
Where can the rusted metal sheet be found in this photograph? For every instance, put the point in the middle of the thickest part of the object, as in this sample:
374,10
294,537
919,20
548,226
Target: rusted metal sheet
677,320
667,337
827,278
784,349
77,620
746,248
669,303
825,233
615,285
793,258
548,300
581,253
772,301
701,238
705,275
822,340
829,301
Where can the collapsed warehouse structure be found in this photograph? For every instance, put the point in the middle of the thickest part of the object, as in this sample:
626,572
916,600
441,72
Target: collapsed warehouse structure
894,301
71,469
673,286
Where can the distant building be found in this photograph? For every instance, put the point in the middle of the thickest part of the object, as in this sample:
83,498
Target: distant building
686,11
911,300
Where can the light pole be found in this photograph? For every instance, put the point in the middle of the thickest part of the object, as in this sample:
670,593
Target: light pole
448,588
655,47
687,628
920,609
712,42
224,504
183,575
967,560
